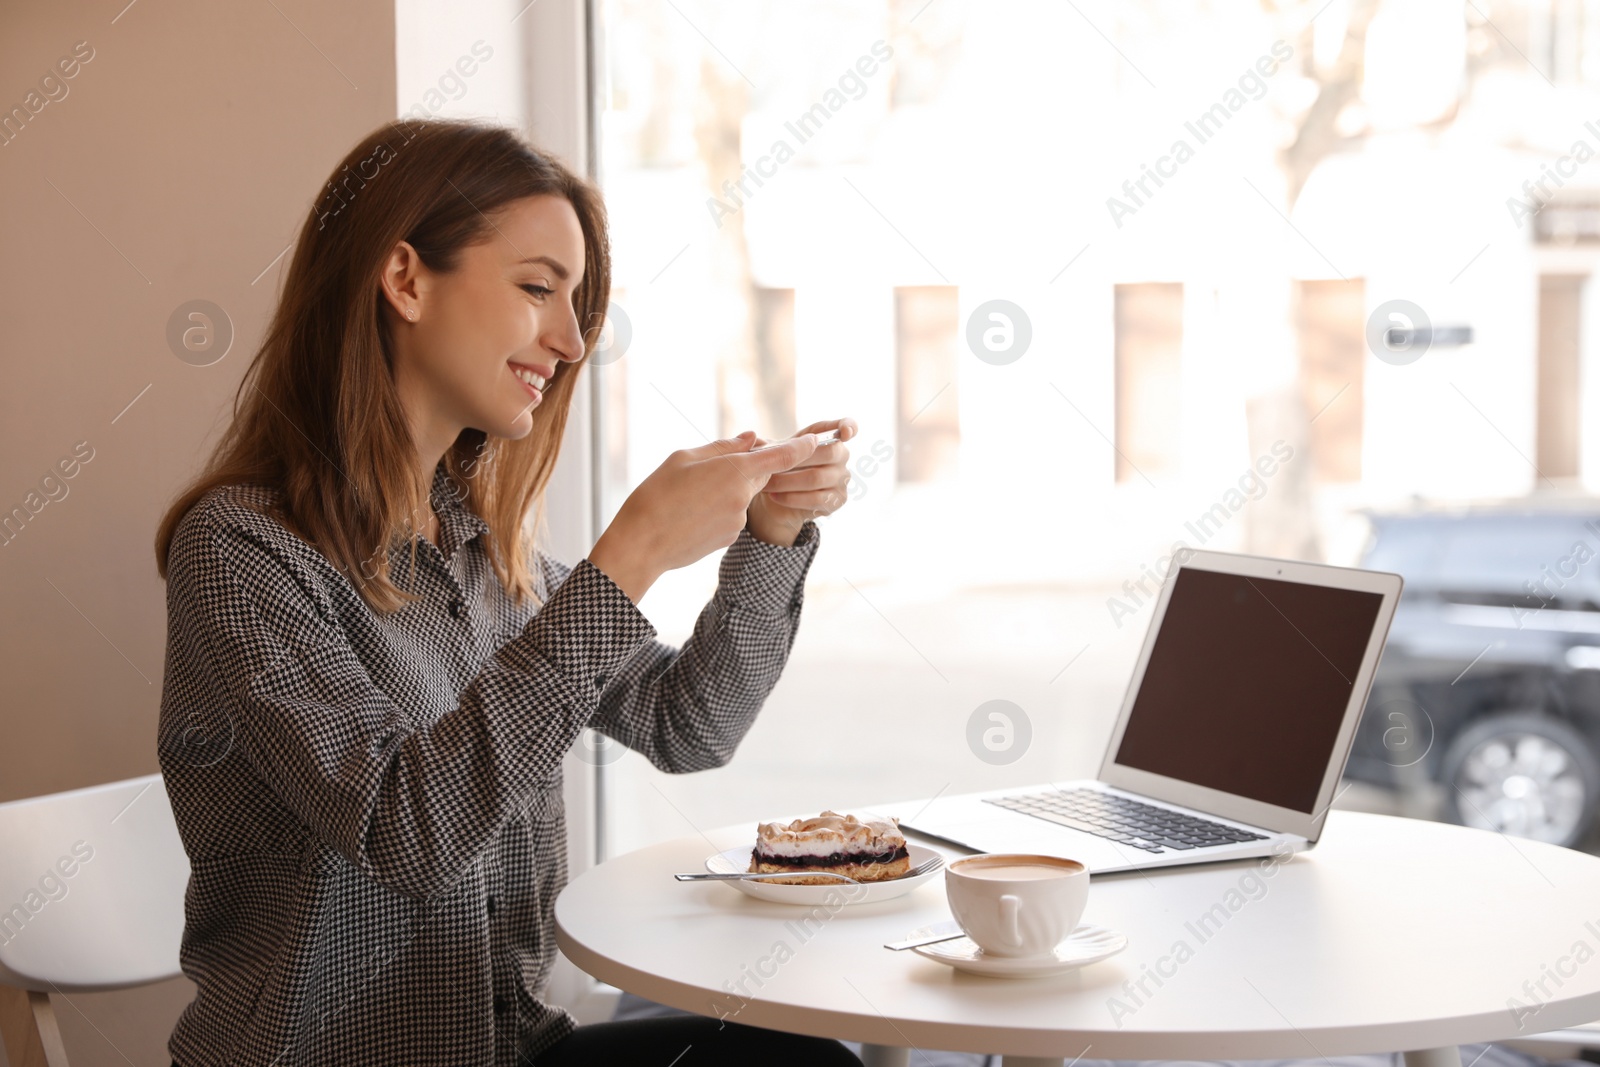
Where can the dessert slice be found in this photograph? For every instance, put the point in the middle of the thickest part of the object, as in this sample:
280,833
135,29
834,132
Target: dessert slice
868,850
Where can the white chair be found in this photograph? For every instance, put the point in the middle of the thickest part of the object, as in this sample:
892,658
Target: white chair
91,899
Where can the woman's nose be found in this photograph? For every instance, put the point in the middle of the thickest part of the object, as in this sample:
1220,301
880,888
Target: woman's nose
566,340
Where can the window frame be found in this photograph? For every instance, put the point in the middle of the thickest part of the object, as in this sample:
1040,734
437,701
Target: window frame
561,108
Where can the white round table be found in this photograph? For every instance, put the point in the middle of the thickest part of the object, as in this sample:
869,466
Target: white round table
1392,935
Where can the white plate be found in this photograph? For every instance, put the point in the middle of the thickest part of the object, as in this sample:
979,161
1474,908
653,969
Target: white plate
1085,945
737,860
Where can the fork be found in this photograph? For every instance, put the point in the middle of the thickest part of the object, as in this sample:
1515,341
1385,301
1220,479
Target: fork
747,876
930,864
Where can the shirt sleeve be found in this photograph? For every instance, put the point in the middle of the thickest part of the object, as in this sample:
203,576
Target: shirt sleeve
687,709
409,805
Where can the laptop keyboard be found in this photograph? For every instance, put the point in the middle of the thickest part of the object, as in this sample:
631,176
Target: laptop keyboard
1125,820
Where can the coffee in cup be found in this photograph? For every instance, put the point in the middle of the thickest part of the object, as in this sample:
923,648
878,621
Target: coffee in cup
1017,904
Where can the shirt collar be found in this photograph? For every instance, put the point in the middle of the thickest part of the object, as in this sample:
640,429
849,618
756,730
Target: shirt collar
458,523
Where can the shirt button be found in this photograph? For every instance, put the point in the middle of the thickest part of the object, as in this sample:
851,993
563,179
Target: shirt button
455,609
501,1004
600,681
492,905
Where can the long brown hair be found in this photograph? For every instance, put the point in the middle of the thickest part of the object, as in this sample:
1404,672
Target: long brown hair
317,416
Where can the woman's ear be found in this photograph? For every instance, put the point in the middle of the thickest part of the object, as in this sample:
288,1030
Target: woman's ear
402,281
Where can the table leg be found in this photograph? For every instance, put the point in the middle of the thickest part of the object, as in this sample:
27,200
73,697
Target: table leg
1449,1056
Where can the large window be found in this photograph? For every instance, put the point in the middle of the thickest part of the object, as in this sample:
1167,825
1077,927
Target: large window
1075,268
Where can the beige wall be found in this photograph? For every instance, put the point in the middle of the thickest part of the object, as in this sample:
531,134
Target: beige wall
178,166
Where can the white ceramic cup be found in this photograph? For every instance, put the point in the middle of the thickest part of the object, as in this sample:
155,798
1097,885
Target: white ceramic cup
1017,904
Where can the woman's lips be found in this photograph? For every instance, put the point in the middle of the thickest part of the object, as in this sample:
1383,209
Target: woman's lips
528,389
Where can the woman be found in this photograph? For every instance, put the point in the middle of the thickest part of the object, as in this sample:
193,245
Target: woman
372,672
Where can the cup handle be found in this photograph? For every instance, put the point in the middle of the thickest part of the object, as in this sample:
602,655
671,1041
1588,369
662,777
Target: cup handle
1010,908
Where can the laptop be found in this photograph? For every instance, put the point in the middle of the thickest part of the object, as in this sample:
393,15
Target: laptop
1232,736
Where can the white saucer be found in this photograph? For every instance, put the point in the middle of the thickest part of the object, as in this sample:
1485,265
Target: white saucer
1085,945
738,859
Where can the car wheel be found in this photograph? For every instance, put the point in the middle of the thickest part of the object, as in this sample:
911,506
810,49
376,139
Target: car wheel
1522,774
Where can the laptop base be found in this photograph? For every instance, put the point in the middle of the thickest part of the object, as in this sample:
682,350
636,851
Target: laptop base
967,820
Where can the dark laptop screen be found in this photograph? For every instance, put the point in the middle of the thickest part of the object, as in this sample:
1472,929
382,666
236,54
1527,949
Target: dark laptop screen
1247,685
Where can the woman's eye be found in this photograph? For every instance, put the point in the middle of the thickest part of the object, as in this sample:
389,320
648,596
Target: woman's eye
538,290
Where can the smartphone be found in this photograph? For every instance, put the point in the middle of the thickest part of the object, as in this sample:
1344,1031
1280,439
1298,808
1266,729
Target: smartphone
827,437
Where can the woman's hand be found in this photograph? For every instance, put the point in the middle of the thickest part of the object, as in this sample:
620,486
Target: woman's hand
693,504
818,485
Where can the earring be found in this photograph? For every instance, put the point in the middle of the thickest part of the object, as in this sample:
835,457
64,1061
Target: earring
411,313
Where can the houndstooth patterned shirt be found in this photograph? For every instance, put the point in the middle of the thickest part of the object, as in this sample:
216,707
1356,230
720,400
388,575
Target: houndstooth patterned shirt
372,805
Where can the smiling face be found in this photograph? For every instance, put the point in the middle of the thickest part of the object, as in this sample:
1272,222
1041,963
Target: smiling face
486,338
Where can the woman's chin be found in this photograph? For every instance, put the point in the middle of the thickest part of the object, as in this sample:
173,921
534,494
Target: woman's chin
519,426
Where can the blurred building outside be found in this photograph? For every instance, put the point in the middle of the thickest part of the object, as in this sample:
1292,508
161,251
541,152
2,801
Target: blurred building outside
1094,280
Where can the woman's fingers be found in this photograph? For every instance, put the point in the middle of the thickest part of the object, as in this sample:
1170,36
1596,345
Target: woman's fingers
847,427
726,446
804,478
816,501
777,458
825,455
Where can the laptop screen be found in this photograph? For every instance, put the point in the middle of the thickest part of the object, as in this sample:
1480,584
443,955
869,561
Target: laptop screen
1247,685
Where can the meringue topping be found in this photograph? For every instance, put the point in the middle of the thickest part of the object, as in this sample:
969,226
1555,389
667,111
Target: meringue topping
829,833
